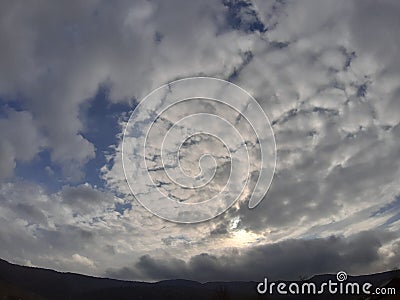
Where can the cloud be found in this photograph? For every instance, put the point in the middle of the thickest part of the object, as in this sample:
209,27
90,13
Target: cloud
56,57
53,226
374,36
326,73
289,259
19,140
337,155
82,260
84,199
336,149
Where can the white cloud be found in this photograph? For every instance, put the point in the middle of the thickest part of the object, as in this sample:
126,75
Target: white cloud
337,142
82,260
19,140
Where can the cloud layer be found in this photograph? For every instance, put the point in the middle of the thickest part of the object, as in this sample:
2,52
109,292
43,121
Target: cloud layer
325,72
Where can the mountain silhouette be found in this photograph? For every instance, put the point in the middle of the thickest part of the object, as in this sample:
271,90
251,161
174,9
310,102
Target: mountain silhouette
30,283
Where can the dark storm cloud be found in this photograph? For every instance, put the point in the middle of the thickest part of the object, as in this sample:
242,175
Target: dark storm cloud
285,260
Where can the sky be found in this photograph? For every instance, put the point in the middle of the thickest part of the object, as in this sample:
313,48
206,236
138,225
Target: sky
325,73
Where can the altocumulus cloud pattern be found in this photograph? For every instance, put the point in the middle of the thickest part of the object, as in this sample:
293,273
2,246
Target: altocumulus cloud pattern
325,72
193,147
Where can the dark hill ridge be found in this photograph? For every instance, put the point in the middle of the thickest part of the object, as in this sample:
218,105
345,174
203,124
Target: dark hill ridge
28,283
48,283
